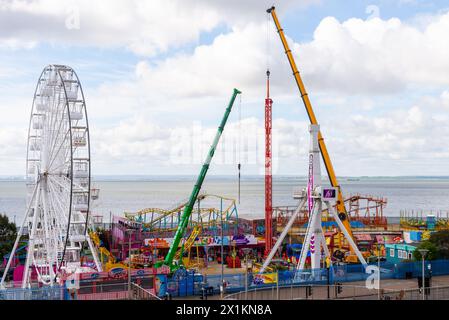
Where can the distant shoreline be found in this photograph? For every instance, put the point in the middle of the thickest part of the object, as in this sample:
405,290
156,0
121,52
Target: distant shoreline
133,178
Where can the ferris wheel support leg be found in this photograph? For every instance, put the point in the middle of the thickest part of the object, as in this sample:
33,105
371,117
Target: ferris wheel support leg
346,233
30,252
16,243
50,257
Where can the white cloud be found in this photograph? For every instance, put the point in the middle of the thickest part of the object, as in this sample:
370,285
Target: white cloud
354,57
136,122
12,150
145,27
376,56
236,59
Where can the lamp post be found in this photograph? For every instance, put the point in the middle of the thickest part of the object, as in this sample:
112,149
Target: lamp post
246,252
378,266
423,253
129,263
222,262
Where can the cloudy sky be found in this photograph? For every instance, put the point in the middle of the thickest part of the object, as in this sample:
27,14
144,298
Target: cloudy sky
157,76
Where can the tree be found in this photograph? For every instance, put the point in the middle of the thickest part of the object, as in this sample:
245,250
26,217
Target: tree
441,240
432,253
8,233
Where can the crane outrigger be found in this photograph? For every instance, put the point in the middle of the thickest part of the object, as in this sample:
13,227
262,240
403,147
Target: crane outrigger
182,226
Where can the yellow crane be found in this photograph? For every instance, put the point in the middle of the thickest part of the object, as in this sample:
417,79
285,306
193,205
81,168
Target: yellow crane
341,209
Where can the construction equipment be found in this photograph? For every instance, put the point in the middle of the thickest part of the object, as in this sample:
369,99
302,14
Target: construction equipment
196,189
268,171
341,209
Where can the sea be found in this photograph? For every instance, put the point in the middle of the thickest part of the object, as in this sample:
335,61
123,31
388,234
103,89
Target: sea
119,194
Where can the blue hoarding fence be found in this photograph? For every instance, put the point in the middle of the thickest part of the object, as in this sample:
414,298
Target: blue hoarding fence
335,274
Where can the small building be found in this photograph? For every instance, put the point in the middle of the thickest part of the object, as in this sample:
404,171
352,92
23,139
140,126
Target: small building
364,242
400,252
412,236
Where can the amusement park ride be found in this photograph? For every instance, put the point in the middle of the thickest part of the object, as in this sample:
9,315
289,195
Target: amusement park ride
314,196
60,192
268,170
58,180
340,203
159,222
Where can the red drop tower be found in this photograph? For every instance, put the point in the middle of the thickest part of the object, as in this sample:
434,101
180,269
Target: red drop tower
268,177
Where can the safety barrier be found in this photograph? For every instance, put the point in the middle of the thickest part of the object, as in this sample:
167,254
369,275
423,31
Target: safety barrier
183,283
336,274
338,292
44,293
139,293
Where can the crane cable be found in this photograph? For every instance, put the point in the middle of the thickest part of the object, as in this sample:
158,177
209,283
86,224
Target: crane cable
267,42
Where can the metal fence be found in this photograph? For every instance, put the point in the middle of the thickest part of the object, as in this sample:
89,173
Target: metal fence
338,292
118,291
336,274
139,293
44,293
184,284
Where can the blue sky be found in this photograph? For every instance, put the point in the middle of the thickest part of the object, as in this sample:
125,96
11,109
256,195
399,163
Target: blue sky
375,72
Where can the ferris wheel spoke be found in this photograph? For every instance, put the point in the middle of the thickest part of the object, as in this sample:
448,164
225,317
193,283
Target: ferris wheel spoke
60,206
52,225
62,182
55,133
55,169
45,237
63,198
60,226
54,153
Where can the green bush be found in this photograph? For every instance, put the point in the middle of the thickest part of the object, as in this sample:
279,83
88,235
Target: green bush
8,233
431,255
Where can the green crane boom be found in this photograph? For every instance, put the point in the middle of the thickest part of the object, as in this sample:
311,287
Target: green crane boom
196,189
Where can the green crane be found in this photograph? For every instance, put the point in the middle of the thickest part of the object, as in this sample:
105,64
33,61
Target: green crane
196,189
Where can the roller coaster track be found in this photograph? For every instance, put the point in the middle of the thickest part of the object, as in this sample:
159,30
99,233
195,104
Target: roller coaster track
202,216
189,241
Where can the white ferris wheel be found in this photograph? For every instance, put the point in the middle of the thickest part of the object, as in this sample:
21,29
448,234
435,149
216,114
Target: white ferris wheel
57,179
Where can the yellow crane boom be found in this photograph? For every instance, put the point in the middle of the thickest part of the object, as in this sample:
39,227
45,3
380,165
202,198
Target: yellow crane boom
341,209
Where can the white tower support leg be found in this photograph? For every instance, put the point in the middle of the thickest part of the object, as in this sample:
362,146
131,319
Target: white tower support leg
315,241
281,238
346,233
306,243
